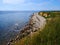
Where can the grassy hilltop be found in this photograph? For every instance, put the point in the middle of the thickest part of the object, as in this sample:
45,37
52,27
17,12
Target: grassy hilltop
50,35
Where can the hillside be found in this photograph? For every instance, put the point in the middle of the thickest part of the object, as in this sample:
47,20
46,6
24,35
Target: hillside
49,35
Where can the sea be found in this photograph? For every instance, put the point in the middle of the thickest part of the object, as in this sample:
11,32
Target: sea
11,22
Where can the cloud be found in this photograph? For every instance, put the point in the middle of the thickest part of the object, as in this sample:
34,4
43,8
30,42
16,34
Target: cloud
23,1
21,5
29,5
13,1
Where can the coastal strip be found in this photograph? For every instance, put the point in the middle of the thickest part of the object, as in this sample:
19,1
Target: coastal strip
36,22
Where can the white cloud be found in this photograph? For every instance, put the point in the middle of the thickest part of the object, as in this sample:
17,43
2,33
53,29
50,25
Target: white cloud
13,1
22,5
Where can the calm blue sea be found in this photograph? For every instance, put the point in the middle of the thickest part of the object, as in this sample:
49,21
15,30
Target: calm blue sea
11,22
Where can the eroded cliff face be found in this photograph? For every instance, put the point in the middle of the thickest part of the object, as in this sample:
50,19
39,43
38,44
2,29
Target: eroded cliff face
36,22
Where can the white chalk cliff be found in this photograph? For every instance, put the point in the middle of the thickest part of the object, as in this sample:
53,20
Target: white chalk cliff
37,21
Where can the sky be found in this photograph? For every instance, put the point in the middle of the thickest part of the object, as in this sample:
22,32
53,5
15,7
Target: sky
21,5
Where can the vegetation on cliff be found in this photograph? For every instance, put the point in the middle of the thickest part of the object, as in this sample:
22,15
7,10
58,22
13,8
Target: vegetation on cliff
50,35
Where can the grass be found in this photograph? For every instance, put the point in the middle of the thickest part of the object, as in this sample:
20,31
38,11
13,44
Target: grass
50,35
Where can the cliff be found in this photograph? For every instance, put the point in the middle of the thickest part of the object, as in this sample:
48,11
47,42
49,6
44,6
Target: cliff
49,35
36,22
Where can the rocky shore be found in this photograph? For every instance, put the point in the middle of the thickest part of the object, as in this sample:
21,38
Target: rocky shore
36,22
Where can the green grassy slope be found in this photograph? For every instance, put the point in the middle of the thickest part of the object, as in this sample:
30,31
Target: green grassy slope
50,35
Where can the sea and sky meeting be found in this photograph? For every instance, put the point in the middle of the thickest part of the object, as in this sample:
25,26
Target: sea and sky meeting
29,22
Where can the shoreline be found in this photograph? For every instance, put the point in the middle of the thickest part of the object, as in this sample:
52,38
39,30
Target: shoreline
30,27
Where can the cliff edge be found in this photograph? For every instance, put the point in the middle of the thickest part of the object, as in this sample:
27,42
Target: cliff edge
36,22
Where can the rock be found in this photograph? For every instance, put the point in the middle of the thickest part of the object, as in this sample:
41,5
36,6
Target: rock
8,43
11,40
